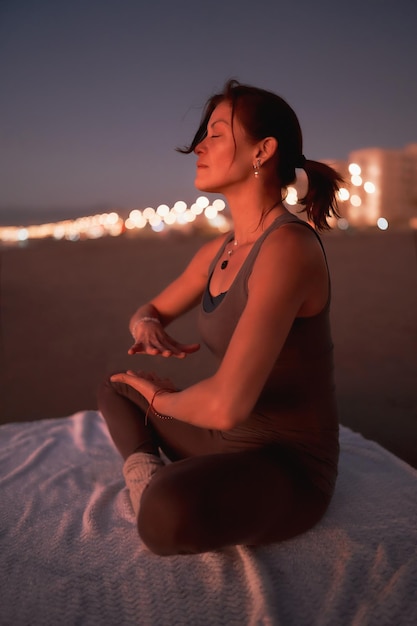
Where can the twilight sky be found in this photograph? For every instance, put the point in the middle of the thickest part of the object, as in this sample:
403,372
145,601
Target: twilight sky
96,94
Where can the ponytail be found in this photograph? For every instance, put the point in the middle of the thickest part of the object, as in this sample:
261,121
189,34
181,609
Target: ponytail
320,201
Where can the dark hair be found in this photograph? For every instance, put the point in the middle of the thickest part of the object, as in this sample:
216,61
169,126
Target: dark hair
264,114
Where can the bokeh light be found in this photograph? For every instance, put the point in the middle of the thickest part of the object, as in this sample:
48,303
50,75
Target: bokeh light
369,187
382,223
342,223
343,194
202,202
292,196
354,169
356,180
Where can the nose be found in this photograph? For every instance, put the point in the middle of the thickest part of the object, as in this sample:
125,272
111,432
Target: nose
199,147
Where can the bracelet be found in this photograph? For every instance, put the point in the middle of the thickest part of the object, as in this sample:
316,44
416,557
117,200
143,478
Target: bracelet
151,408
144,319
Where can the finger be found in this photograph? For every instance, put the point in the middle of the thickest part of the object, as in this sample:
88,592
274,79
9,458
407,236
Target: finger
138,374
137,348
164,347
173,348
188,348
119,378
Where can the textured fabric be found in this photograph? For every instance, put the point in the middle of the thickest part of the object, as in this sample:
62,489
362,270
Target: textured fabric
297,406
70,554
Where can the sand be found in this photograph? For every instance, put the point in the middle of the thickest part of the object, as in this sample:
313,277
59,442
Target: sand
65,308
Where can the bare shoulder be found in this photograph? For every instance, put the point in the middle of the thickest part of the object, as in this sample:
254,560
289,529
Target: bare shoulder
292,243
291,267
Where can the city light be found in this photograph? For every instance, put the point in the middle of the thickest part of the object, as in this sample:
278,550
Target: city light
343,194
364,196
342,223
369,187
292,196
382,223
95,226
354,169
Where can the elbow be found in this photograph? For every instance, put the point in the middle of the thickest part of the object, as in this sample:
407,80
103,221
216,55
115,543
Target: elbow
228,418
227,410
228,423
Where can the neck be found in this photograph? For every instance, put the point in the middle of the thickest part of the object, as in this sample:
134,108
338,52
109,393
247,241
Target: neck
252,214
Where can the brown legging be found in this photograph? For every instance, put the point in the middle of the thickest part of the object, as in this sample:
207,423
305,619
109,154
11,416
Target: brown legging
217,492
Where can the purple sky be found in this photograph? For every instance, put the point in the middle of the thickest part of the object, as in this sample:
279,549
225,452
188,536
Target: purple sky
96,94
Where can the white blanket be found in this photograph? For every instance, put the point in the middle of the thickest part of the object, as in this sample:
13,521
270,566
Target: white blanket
69,552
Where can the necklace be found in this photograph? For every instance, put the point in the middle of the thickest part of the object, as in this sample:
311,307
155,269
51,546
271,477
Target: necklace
225,263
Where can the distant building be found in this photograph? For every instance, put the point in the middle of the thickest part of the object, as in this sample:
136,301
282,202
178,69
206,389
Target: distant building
383,184
380,188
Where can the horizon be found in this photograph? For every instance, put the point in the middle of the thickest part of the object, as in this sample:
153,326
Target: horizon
98,95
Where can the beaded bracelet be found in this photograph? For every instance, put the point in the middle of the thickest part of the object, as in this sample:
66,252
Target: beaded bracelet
151,407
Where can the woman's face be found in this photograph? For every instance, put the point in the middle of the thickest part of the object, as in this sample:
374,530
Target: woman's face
225,156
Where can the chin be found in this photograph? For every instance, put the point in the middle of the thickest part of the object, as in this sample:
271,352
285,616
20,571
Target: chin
206,187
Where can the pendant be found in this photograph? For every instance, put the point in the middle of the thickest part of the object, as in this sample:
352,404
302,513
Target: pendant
224,264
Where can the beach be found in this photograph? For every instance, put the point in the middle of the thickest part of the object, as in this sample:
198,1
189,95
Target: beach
65,308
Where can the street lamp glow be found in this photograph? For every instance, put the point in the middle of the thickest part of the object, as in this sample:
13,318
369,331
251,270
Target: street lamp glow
162,210
354,169
219,204
179,207
369,187
135,214
197,210
189,216
382,223
155,220
342,223
343,194
170,219
292,197
210,212
202,202
23,234
148,213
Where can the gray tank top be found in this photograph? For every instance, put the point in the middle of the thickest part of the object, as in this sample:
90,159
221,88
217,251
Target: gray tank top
297,406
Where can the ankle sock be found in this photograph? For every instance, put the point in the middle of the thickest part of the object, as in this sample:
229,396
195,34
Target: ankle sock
138,470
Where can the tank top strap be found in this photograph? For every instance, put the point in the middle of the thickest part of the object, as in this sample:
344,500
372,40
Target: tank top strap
286,218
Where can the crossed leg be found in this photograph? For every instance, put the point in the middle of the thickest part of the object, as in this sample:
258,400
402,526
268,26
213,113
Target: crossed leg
204,503
210,497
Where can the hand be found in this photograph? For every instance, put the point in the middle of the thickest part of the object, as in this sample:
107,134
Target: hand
151,338
147,383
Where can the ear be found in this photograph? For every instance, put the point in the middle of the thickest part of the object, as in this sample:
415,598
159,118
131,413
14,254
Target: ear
266,149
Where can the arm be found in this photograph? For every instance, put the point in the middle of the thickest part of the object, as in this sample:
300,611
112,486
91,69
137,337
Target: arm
148,322
289,278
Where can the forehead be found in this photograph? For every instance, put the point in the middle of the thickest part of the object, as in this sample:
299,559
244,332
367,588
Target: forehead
222,113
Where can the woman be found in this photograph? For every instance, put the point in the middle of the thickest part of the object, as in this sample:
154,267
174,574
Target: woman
255,446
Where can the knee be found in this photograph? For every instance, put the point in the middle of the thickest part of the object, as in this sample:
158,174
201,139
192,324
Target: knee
108,391
167,522
104,388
